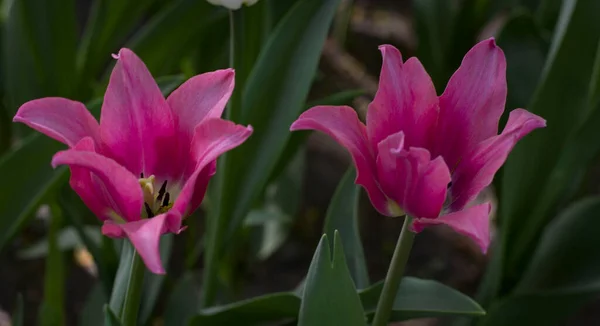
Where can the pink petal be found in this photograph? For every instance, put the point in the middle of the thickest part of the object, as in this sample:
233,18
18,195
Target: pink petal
477,169
59,118
416,183
117,185
144,235
473,222
201,97
87,186
342,124
212,138
136,123
472,103
406,100
198,99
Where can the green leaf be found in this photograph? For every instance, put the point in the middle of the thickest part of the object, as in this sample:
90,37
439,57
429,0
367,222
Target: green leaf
251,29
541,309
434,22
93,313
558,263
53,307
564,272
274,95
547,13
525,50
110,22
27,173
342,215
417,298
183,302
173,33
40,48
109,317
67,239
564,84
119,290
17,315
153,283
329,296
256,311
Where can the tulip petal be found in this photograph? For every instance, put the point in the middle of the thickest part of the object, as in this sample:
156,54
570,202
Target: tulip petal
477,169
144,235
406,100
116,185
212,138
473,222
87,186
136,122
472,103
342,124
59,118
410,178
201,97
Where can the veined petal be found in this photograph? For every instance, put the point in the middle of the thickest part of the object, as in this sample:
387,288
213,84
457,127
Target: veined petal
59,118
472,103
342,124
136,123
473,222
410,178
212,138
201,97
144,235
117,185
406,100
477,169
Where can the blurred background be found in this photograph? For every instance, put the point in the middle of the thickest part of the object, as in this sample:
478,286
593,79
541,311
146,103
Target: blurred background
544,267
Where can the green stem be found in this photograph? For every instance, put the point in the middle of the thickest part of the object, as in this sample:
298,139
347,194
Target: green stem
217,221
133,296
394,274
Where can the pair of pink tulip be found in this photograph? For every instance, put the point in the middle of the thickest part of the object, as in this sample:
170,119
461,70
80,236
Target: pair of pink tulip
146,166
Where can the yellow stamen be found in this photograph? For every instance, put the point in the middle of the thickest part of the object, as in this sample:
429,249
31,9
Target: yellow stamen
147,185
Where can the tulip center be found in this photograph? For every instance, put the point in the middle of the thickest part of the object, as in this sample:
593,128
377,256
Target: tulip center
155,202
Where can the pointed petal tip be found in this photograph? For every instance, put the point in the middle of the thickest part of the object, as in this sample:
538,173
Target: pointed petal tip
385,48
57,160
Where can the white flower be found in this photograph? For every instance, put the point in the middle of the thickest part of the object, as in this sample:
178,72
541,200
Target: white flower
232,4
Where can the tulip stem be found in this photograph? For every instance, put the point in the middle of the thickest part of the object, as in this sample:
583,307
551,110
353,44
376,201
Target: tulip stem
394,274
217,220
133,295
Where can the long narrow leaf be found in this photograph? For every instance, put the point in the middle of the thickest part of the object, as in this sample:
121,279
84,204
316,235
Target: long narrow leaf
53,306
342,215
40,46
274,96
562,99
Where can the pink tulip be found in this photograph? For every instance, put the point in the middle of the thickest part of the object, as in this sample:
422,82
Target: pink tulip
430,156
147,164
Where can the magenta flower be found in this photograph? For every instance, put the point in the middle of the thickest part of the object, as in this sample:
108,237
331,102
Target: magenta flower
146,166
427,156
